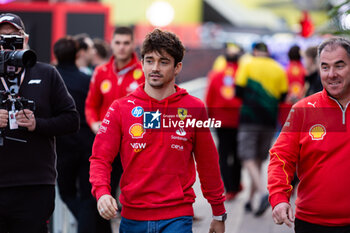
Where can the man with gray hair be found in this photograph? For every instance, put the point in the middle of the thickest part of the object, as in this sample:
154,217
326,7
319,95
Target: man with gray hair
315,142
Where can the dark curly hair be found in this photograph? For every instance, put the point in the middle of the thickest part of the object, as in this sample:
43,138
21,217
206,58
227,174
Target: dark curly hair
161,41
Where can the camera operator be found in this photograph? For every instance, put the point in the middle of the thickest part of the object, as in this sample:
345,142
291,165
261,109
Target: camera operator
27,151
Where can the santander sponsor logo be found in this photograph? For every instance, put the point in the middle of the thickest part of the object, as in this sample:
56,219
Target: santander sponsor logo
181,132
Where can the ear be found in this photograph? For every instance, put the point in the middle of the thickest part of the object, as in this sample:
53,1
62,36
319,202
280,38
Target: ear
25,43
79,53
142,65
178,68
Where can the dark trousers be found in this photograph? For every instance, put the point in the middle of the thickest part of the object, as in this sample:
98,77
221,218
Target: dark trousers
26,208
301,226
230,172
75,189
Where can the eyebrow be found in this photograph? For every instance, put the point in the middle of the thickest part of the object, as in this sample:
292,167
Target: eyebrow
162,58
336,63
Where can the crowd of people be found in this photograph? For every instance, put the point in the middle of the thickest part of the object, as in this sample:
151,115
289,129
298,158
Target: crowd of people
99,111
252,95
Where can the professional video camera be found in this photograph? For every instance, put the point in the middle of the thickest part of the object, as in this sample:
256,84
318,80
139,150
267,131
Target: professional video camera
11,59
12,62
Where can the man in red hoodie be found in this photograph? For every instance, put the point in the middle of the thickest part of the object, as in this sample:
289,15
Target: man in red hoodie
115,79
160,132
315,143
111,81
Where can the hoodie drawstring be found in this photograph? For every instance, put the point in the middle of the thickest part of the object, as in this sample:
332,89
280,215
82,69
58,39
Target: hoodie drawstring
165,112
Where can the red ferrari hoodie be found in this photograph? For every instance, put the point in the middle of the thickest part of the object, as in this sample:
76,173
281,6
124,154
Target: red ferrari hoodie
160,144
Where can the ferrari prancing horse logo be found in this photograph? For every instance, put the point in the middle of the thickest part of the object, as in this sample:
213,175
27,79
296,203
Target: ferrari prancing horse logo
182,113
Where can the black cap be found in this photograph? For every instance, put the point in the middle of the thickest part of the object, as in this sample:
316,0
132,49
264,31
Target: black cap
12,19
260,46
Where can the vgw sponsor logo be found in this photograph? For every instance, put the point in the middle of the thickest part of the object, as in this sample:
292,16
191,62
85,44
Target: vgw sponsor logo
138,146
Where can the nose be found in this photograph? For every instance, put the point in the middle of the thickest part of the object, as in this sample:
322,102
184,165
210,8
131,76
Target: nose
332,72
155,66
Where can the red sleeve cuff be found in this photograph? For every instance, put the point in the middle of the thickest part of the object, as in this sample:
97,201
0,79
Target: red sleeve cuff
218,209
277,198
102,191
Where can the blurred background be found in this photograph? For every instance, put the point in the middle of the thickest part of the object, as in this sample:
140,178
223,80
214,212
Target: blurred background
203,25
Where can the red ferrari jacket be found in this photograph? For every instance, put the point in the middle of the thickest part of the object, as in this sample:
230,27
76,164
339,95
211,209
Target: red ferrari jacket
108,84
158,155
221,100
315,142
296,81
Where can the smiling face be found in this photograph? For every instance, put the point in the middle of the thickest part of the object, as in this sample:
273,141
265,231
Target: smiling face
335,72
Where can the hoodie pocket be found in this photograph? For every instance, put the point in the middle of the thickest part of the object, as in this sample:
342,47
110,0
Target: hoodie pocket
153,190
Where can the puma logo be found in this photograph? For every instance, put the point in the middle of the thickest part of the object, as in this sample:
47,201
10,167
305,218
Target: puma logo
131,101
312,104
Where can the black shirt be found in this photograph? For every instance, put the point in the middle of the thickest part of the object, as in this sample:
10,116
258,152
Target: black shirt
34,162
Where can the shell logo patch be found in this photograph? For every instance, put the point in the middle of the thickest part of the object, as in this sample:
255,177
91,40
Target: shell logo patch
137,74
137,130
229,72
106,86
295,71
227,92
296,88
317,132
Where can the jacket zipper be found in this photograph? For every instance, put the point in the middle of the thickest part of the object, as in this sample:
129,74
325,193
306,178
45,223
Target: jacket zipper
341,108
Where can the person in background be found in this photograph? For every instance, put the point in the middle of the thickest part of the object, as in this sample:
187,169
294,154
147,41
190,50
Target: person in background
223,105
312,79
296,75
74,150
296,81
314,142
158,162
121,75
103,52
27,148
86,53
115,79
262,84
